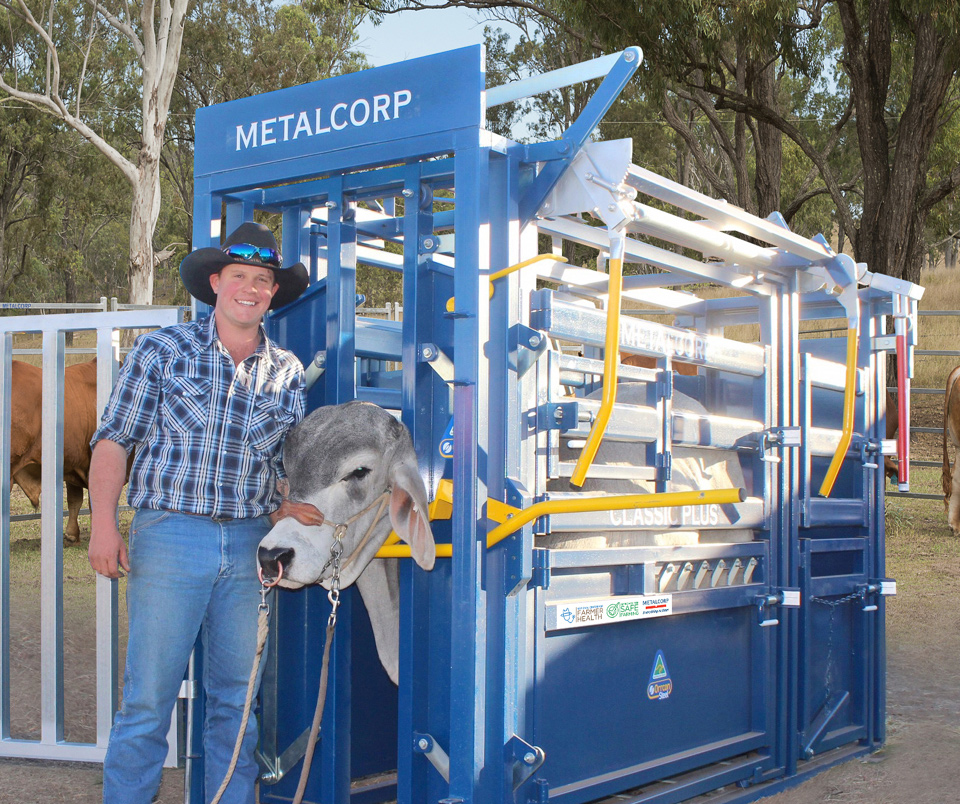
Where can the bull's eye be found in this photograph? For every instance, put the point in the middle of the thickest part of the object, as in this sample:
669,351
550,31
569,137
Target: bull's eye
358,474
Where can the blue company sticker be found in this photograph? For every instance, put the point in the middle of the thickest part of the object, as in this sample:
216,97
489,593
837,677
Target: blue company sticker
446,443
660,686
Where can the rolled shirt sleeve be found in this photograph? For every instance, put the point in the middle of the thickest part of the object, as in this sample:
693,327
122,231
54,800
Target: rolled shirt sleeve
131,413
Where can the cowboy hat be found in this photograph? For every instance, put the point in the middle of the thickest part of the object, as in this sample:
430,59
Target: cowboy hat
249,244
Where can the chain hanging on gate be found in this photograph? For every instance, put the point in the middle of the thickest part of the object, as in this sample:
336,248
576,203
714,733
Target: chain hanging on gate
833,605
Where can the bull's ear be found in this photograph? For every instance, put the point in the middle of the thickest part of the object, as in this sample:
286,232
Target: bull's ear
408,513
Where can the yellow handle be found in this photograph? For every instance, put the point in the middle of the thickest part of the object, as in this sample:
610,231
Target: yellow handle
849,400
610,361
509,270
618,502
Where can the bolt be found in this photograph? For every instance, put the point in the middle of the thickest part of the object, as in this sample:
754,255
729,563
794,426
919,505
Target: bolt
529,758
423,743
331,205
629,56
612,207
407,193
427,352
534,341
428,242
268,777
558,414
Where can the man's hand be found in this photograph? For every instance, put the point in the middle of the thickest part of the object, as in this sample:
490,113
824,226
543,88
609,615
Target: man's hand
305,513
107,552
108,473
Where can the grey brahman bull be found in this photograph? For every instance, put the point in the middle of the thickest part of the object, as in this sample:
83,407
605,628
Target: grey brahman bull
343,459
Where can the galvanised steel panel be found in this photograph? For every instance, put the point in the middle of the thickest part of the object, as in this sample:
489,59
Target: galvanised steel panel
588,325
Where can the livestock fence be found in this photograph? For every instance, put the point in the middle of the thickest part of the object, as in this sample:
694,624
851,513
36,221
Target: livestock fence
922,353
52,330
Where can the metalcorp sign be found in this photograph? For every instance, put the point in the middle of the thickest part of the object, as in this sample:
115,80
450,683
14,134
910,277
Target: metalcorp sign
408,99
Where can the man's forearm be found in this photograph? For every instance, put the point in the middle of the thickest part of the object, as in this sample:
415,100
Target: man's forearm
108,473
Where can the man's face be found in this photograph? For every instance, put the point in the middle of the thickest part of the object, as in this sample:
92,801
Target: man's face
244,293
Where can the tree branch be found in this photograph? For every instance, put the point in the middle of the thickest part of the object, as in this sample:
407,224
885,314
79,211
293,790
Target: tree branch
124,28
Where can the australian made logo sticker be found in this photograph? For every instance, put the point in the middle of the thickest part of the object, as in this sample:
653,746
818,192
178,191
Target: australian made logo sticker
610,610
660,686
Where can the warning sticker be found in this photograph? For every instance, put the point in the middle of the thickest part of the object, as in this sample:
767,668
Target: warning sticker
660,686
608,610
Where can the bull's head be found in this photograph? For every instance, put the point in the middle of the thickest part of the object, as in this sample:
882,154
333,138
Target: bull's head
342,459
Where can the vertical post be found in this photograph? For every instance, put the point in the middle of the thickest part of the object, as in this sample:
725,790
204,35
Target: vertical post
6,387
51,542
340,379
468,612
340,376
108,361
237,212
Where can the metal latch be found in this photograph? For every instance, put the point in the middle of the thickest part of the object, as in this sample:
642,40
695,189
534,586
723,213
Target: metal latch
778,438
868,591
869,449
561,416
787,598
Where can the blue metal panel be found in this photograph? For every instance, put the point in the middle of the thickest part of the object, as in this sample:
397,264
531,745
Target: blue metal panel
410,99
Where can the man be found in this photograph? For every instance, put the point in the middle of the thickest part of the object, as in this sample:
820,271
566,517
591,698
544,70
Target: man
205,407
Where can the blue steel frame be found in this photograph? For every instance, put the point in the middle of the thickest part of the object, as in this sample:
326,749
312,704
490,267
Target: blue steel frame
480,603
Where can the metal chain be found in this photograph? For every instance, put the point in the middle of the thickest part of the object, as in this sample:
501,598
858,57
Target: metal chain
833,605
336,558
839,601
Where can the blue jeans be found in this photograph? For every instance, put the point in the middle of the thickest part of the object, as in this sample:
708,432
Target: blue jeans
189,575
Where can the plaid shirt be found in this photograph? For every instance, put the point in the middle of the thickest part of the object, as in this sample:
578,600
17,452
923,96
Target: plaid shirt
207,434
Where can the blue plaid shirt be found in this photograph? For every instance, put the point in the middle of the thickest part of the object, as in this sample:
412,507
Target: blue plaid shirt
207,434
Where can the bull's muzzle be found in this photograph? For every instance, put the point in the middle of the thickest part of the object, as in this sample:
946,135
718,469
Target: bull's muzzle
271,559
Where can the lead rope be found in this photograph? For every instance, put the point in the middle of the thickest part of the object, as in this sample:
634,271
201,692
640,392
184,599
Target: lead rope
336,554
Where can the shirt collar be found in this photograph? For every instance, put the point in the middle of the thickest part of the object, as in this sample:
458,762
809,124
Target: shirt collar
264,350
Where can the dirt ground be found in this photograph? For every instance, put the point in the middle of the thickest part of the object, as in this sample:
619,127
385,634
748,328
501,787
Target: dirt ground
920,763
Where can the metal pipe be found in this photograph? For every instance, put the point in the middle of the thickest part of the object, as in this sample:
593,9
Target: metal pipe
451,303
555,79
901,323
611,359
614,503
849,400
617,502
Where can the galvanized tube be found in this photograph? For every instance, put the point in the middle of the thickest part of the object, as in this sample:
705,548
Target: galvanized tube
555,79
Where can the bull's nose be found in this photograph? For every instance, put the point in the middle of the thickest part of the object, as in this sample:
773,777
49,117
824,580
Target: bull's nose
271,558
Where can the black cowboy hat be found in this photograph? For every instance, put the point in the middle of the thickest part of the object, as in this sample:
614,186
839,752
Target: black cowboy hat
249,244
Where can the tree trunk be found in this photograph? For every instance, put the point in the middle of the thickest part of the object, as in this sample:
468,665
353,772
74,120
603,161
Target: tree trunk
144,211
769,141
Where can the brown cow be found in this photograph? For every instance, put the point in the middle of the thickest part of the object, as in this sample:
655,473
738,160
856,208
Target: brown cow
951,440
79,423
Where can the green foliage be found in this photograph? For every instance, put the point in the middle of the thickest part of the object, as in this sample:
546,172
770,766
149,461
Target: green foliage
64,211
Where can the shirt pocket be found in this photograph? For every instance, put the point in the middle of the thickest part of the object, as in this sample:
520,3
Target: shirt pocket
269,422
186,404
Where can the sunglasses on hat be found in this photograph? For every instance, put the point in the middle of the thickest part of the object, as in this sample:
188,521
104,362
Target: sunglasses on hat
251,253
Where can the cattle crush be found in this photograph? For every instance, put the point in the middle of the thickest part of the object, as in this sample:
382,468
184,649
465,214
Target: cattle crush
657,586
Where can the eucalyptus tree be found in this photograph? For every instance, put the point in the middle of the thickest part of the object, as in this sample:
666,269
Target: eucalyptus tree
882,72
87,51
237,48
